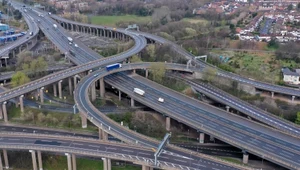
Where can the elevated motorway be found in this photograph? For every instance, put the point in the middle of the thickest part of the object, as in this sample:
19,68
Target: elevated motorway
244,107
242,133
71,25
95,148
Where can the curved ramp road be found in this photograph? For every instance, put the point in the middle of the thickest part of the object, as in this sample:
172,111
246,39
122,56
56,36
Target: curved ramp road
247,135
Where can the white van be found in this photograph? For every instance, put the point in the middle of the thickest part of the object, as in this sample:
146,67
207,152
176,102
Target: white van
161,100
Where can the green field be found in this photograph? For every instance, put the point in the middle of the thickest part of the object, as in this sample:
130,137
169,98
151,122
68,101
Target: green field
195,20
60,162
112,20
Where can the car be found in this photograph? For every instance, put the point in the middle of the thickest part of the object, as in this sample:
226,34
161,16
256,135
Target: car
161,100
96,75
70,43
75,45
31,33
49,13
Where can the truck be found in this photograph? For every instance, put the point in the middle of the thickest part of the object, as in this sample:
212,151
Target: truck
139,91
113,66
55,26
70,39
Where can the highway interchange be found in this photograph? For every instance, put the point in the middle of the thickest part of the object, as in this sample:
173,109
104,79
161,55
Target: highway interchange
192,110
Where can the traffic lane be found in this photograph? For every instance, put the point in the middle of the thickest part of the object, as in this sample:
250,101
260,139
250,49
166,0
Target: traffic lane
215,113
237,136
128,135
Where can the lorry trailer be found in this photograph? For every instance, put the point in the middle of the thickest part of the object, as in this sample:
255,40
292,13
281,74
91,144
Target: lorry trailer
113,66
139,91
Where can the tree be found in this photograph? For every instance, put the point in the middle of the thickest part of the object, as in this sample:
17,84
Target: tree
41,117
273,44
209,73
158,71
19,78
135,59
151,52
297,121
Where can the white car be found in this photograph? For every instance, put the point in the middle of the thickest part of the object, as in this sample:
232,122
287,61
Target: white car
161,100
75,45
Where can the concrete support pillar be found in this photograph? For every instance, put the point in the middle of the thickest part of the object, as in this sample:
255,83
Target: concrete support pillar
145,167
293,98
201,138
42,94
60,89
70,86
5,159
93,91
104,163
108,164
103,135
245,158
54,90
102,88
74,162
4,112
69,161
1,114
168,123
133,71
83,121
17,103
1,165
100,133
211,138
33,156
147,73
75,82
21,103
37,95
132,102
227,108
39,153
272,94
120,95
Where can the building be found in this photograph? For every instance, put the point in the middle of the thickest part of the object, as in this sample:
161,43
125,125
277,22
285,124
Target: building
290,76
4,27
